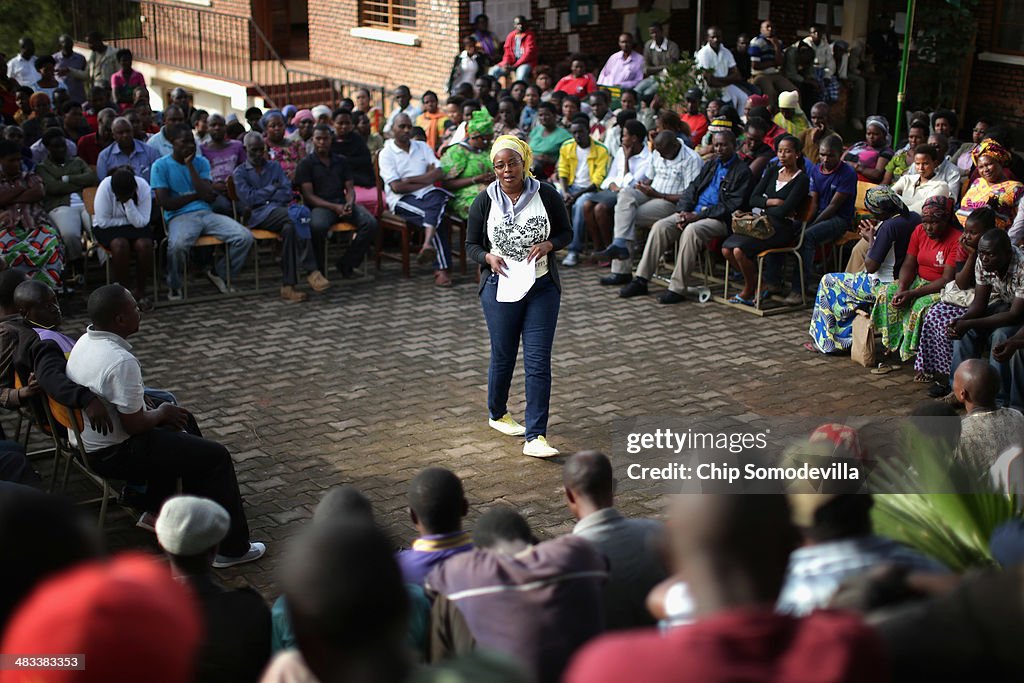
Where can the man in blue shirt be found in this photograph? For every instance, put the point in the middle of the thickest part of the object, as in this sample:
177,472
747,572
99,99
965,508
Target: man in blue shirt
183,189
833,195
126,151
705,213
262,186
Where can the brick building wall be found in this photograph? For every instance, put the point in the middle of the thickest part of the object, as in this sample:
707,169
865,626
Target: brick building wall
423,67
997,88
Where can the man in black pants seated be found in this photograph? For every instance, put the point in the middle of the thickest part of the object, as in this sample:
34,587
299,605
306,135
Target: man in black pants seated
151,444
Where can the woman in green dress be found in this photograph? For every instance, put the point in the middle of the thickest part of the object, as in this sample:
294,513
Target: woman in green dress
467,164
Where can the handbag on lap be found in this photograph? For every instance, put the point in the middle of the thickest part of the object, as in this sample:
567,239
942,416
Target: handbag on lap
746,223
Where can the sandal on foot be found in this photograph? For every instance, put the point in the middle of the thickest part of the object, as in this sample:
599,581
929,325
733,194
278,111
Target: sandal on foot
884,369
145,304
737,299
810,347
924,378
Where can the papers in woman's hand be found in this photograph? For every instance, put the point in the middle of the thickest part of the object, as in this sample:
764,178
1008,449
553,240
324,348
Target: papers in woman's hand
516,282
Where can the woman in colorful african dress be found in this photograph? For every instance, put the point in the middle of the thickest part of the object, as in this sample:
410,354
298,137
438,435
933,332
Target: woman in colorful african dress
467,164
28,240
935,353
287,153
841,294
991,188
930,263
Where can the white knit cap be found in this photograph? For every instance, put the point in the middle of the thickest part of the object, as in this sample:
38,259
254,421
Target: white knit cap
188,525
789,100
321,110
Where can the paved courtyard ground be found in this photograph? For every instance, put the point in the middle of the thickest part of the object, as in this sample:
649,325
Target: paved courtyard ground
385,376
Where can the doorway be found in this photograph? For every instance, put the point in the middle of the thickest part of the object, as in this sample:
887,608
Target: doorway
285,23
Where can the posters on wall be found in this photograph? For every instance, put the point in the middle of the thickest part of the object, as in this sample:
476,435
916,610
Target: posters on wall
502,12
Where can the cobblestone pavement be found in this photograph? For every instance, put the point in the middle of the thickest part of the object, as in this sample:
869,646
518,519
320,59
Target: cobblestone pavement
385,376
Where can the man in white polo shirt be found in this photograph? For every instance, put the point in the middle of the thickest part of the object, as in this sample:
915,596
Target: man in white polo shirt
724,72
409,169
149,443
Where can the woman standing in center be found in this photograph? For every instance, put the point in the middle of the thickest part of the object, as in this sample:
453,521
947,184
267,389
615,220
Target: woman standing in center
519,219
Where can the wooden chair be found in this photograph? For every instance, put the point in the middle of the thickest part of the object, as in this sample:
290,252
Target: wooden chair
71,420
258,234
803,216
203,241
389,222
95,247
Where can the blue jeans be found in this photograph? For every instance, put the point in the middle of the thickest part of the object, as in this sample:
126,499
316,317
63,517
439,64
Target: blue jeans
522,72
1011,373
820,233
579,226
647,88
533,318
184,230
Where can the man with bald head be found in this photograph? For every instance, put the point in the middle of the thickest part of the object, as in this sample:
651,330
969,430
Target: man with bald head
159,445
733,551
266,191
173,115
126,151
409,169
90,146
41,350
634,547
986,430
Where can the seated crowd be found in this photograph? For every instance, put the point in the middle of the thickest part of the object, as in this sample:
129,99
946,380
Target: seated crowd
757,587
731,588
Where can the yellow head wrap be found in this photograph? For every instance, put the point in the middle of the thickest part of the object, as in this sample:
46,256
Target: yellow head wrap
516,145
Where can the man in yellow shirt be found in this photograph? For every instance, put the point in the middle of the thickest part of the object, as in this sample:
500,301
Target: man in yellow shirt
582,167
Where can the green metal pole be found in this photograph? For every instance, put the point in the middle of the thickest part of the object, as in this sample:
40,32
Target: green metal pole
908,33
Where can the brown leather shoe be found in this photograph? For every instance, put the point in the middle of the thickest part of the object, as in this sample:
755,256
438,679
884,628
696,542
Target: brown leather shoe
442,278
292,295
318,282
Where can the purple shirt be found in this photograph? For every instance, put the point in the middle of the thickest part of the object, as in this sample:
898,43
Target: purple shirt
538,606
223,162
622,71
428,551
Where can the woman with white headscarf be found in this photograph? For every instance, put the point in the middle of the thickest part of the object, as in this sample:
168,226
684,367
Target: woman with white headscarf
869,156
520,221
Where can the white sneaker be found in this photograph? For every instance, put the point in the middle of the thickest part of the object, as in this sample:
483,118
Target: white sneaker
506,425
571,259
175,295
539,448
256,551
217,282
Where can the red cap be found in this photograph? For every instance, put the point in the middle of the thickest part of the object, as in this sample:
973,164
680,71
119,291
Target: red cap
129,617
